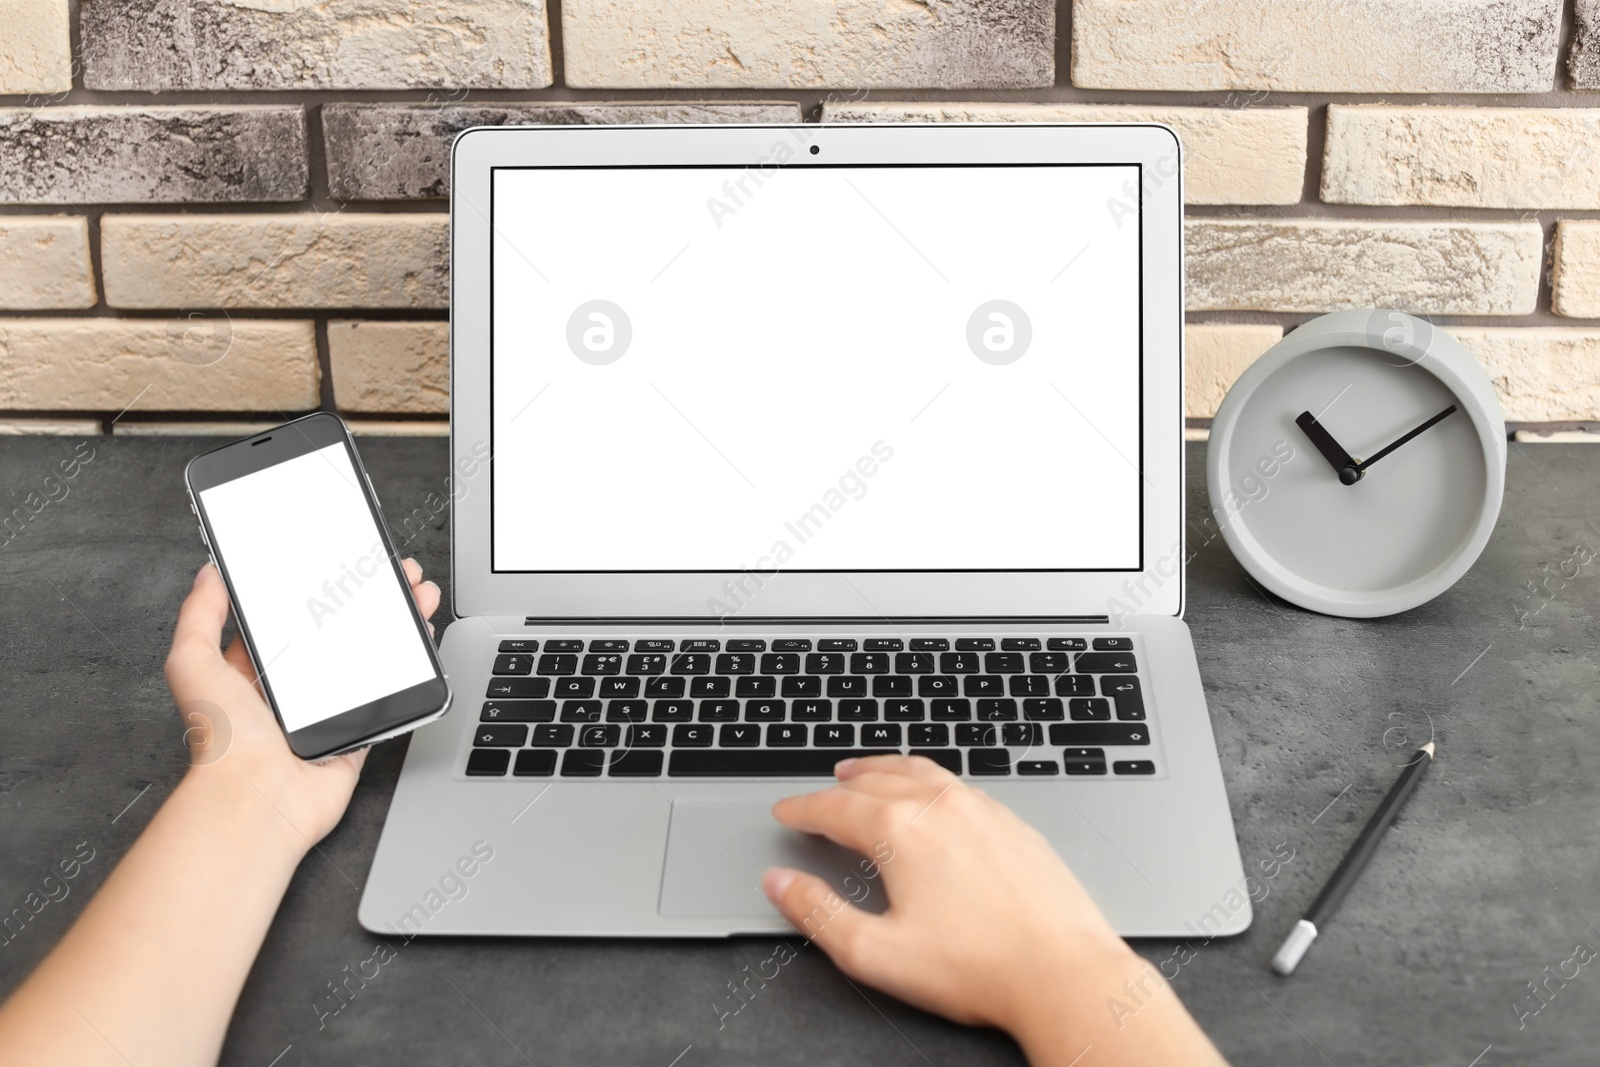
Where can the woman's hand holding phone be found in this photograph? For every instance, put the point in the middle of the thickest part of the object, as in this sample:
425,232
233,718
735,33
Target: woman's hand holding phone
236,745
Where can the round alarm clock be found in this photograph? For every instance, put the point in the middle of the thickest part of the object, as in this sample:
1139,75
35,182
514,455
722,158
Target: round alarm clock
1357,468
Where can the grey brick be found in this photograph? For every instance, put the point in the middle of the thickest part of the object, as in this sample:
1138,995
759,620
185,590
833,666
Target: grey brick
128,155
331,44
402,151
1583,63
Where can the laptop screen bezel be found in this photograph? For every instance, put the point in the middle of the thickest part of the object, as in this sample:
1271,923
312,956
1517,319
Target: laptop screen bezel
1155,587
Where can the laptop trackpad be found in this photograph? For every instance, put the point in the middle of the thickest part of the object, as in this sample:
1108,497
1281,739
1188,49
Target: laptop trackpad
717,851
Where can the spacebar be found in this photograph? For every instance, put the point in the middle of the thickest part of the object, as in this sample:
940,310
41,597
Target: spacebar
759,762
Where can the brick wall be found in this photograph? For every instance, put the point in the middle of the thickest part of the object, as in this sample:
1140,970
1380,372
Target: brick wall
220,213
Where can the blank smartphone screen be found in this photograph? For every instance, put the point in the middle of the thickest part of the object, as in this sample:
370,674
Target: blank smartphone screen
330,622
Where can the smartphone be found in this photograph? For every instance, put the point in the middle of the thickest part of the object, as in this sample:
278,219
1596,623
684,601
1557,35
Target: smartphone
342,653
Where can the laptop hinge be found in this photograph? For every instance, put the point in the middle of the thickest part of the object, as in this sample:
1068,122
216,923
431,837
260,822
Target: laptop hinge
813,620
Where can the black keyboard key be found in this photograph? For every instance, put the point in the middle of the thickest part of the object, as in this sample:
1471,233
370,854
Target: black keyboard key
1089,709
781,662
1066,644
792,644
803,685
519,644
513,663
1074,685
1113,644
891,685
747,644
1022,733
691,663
557,663
580,711
759,763
786,735
1038,766
619,687
535,761
1123,689
737,662
938,685
1086,754
913,662
837,644
672,711
637,763
835,735
974,644
1029,685
881,735
710,688
764,711
702,644
948,758
518,688
696,735
869,663
960,663
626,711
928,733
858,711
654,644
602,663
564,644
1003,663
518,711
812,711
583,762
647,735
739,735
663,687
1089,766
1099,733
1049,709
600,735
903,711
608,644
848,685
649,663
883,644
551,735
825,663
952,710
719,711
997,709
1105,663
1020,644
977,733
488,761
574,688
1049,662
499,735
930,644
756,687
988,761
983,685
1134,766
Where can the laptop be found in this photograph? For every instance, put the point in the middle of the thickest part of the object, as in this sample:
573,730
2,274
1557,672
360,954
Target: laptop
773,445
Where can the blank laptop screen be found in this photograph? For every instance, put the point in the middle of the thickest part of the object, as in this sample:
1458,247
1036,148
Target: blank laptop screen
816,368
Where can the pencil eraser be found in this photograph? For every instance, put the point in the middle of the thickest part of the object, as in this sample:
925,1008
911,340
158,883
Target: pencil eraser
1294,947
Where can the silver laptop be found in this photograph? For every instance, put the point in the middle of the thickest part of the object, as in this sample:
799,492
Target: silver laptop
774,445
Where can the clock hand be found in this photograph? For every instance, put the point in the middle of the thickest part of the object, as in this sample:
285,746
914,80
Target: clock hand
1370,460
1343,463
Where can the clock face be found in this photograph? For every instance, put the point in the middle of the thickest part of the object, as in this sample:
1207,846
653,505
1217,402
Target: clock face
1355,480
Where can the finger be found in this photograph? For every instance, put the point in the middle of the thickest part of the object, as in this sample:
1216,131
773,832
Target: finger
427,597
846,817
413,570
238,658
820,914
920,768
198,633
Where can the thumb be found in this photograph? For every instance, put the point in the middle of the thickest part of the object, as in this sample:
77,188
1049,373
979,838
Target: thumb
197,639
820,914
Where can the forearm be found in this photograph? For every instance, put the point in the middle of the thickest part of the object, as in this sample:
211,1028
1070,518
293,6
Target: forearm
152,969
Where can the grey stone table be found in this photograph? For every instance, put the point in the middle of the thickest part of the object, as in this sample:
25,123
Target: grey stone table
1488,883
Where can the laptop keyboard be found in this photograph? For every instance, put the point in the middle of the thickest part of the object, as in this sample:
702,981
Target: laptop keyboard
757,707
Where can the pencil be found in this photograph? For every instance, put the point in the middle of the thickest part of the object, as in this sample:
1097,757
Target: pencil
1355,861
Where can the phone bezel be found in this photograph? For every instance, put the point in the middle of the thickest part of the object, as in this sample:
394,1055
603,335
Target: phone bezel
369,722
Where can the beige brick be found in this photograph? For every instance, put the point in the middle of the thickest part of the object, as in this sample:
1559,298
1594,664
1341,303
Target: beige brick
35,46
399,427
106,364
1544,373
1576,277
1499,157
948,44
44,262
49,427
1336,46
1231,155
398,368
206,428
303,260
1315,265
1215,354
1199,434
1556,437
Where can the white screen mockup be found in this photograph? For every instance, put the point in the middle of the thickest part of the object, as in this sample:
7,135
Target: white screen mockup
816,368
315,587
